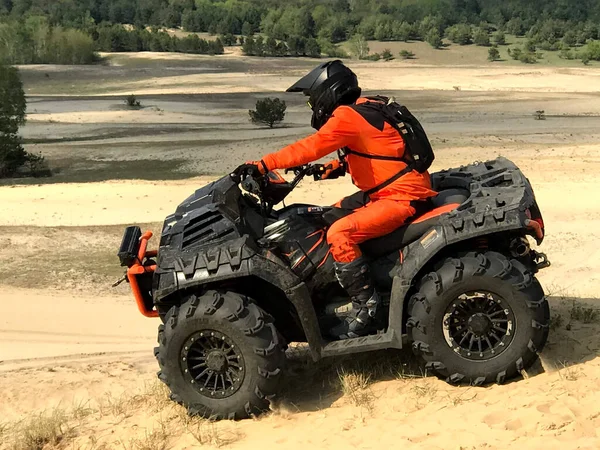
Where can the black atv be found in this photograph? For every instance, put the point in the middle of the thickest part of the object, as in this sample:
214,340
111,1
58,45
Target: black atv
236,280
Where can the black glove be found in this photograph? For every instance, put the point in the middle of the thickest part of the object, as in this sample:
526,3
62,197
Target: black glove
251,168
329,171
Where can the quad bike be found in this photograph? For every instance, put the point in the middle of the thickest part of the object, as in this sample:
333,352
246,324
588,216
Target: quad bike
236,280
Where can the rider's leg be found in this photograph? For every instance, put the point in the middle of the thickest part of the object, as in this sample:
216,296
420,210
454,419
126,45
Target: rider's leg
376,219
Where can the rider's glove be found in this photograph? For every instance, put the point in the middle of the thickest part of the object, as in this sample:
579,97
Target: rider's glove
330,171
253,168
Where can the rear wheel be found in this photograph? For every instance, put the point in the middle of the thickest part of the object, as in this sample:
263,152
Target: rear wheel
478,319
220,355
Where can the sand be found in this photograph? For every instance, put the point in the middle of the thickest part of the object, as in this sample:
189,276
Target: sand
85,349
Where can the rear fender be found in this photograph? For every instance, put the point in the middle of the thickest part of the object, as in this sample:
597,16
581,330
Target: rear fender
413,258
454,228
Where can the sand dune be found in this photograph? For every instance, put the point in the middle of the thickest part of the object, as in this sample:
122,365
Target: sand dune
78,356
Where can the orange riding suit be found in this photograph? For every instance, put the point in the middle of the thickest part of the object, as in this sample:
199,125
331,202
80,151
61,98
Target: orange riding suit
389,207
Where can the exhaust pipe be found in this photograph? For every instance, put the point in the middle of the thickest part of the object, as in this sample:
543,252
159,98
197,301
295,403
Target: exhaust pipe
519,247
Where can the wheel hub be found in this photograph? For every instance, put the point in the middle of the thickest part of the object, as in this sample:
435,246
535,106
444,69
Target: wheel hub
213,364
216,361
479,325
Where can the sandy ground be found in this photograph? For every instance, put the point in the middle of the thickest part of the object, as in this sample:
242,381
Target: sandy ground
74,348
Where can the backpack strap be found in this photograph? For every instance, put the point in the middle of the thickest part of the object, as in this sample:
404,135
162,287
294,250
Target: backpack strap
386,183
379,157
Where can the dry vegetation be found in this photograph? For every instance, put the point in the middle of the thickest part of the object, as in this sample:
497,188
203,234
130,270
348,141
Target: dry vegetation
39,430
69,427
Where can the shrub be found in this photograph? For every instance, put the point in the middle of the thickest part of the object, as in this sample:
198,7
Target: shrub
434,39
493,54
359,46
567,53
406,54
528,58
269,111
372,57
132,101
387,55
481,37
332,50
228,39
500,38
593,51
460,34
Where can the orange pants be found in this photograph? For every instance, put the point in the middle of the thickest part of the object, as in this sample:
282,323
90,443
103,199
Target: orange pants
368,221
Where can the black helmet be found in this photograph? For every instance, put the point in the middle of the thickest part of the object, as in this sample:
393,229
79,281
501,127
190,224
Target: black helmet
328,85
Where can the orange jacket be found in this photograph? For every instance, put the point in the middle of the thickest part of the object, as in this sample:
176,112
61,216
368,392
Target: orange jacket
348,128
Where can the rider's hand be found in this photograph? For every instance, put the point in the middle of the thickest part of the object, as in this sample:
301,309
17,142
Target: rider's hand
330,171
252,168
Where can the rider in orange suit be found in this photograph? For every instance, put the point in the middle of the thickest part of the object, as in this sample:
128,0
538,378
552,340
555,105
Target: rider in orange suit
342,123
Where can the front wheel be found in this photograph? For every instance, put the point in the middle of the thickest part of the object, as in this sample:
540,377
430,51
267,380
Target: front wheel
478,319
220,355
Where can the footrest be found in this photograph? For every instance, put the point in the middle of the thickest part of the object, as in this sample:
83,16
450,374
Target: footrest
357,345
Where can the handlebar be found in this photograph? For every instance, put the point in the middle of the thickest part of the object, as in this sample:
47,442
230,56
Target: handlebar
270,188
301,172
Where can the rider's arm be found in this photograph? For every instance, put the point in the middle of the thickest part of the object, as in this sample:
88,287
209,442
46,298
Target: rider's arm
337,133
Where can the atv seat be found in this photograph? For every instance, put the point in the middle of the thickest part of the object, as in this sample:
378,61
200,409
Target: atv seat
427,216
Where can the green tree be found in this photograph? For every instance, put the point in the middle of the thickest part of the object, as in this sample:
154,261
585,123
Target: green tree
493,54
359,46
530,46
313,49
13,105
249,46
271,47
434,39
499,38
296,45
228,39
259,46
570,38
515,53
431,23
460,34
269,111
12,101
481,37
404,32
515,26
247,29
593,51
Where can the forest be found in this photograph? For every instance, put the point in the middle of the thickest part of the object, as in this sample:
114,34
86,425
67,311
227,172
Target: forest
70,31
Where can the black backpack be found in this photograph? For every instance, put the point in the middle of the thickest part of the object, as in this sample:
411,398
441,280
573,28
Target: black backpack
418,154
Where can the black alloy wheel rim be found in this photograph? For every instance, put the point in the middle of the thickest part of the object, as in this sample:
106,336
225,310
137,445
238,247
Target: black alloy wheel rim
213,364
479,325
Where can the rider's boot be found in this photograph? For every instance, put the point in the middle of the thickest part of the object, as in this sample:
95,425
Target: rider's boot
355,277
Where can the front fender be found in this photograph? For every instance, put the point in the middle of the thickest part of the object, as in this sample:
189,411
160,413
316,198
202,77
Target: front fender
239,258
